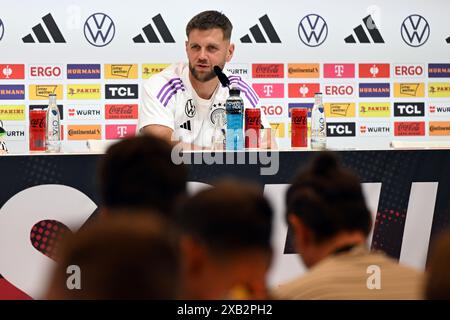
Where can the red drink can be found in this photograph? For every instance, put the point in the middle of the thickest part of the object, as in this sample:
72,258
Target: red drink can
252,127
299,127
37,130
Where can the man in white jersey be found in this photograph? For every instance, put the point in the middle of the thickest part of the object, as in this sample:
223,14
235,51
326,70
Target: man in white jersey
185,100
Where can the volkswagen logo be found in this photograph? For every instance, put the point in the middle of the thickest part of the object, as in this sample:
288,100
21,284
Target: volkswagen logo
415,30
2,29
99,29
313,30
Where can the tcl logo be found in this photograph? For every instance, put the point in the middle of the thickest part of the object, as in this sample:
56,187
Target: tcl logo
341,129
409,109
46,72
339,90
272,110
118,91
408,70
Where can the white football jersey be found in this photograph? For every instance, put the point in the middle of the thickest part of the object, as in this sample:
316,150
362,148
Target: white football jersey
169,100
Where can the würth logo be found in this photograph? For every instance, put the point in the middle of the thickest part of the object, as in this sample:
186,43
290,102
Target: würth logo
150,33
99,29
313,30
361,34
258,35
42,36
415,30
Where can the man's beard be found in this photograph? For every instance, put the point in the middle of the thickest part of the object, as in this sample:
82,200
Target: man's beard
202,78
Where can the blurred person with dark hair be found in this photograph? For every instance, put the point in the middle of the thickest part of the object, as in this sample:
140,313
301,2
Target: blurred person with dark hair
225,234
437,286
330,220
122,257
138,173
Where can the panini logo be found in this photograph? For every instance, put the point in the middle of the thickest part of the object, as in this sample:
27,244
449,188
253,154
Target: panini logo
439,109
339,110
303,90
12,112
121,71
120,131
409,109
342,70
311,70
15,133
275,70
149,70
12,92
84,92
269,90
374,70
41,92
439,128
439,89
258,35
375,129
374,90
439,70
409,128
121,111
12,71
279,128
375,110
87,112
407,90
85,132
341,129
83,71
408,70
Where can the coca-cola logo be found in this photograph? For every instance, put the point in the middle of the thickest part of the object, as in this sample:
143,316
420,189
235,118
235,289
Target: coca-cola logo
299,120
267,69
275,70
253,121
409,129
126,109
37,123
121,111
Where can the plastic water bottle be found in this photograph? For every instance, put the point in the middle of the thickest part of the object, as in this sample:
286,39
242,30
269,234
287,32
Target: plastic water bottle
234,107
53,126
318,124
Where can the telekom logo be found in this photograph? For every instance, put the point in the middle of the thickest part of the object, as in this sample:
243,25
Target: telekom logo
121,131
339,70
268,89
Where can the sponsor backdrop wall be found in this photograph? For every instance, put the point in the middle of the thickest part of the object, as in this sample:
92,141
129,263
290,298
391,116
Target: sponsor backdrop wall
383,66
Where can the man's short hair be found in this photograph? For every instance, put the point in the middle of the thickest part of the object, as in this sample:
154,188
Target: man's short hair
127,256
328,199
228,218
207,20
138,173
438,281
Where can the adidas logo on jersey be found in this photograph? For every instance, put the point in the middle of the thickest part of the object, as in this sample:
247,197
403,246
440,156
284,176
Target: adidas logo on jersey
186,125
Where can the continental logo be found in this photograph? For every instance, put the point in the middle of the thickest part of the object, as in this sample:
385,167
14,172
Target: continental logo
84,92
41,92
439,128
149,70
340,110
439,89
85,132
375,109
121,71
12,112
83,71
307,70
279,128
12,92
408,90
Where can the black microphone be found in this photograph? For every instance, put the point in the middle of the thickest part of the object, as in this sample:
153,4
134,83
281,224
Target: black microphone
222,77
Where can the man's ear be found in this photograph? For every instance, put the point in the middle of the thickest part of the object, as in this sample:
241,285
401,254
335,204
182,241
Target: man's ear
230,52
186,45
302,235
